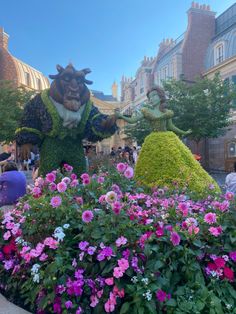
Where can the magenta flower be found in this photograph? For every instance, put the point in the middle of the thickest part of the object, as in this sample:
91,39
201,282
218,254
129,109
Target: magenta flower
91,250
52,187
109,281
100,179
68,304
68,168
215,231
121,167
73,176
123,264
84,176
86,181
232,255
55,201
129,172
161,295
50,177
175,238
87,216
118,272
210,218
61,187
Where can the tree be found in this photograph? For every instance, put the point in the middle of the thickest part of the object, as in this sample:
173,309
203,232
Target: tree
138,131
204,107
12,100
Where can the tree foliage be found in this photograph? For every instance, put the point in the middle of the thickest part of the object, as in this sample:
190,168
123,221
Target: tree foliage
138,131
203,106
12,100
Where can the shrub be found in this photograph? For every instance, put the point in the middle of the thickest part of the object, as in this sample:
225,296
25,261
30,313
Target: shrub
165,160
100,244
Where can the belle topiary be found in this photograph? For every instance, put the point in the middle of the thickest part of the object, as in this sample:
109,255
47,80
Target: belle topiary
164,159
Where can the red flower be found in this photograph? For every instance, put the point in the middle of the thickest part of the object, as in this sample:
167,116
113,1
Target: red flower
11,247
212,266
228,273
220,262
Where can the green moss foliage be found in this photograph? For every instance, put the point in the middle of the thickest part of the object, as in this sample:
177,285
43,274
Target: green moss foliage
165,160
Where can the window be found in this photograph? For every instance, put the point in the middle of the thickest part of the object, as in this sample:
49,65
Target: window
27,79
219,53
165,73
39,85
232,149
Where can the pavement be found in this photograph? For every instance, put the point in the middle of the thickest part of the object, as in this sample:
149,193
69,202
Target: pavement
10,308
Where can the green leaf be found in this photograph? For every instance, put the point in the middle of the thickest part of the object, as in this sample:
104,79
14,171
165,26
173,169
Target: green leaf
171,302
125,307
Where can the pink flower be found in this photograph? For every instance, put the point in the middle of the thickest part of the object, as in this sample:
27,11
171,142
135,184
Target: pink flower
36,192
161,295
102,199
183,207
43,257
52,243
229,274
79,310
84,176
210,218
79,200
129,172
121,167
87,216
119,293
118,272
175,238
159,232
7,235
193,230
100,179
116,207
215,231
86,181
94,300
73,176
68,168
91,250
74,183
50,177
109,281
111,197
61,187
109,306
121,241
52,187
229,196
55,201
66,180
123,264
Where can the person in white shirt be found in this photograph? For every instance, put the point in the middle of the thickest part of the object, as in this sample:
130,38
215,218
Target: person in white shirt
230,181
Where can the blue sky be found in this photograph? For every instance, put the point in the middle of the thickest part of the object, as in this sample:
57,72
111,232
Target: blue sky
109,36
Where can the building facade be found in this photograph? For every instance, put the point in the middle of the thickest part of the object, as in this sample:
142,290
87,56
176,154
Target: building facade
206,47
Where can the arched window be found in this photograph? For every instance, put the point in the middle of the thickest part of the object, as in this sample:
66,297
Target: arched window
231,149
219,53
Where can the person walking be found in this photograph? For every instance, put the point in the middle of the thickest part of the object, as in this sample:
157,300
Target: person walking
230,181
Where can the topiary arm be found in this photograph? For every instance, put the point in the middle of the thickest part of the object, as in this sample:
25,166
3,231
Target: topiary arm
133,119
171,127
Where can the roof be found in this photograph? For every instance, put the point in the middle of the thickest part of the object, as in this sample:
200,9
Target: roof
100,95
36,80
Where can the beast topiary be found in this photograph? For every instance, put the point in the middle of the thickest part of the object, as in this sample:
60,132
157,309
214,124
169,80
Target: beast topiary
164,159
59,119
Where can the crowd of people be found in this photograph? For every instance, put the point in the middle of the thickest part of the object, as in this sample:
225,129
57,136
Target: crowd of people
126,154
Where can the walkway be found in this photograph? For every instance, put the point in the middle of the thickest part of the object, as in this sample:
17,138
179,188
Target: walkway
9,308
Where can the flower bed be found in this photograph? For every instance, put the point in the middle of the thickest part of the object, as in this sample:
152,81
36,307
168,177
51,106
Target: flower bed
101,244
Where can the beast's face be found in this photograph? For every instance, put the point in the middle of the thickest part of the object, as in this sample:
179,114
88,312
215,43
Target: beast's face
69,87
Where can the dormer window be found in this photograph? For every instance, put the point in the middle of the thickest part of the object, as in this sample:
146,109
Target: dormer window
27,79
219,53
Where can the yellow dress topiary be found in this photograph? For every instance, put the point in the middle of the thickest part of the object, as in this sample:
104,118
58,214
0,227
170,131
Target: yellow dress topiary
164,159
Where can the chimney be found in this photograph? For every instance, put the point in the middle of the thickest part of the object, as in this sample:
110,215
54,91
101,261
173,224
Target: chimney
3,39
115,90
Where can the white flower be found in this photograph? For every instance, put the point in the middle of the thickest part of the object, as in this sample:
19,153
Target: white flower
36,278
59,234
66,226
225,257
145,281
134,279
19,240
35,268
148,295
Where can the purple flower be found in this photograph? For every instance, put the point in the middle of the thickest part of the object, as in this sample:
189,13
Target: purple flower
232,255
68,304
83,245
129,172
175,238
87,216
91,250
161,295
61,187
